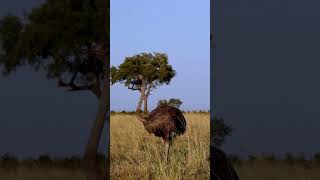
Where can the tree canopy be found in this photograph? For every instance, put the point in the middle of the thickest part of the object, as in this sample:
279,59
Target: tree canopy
143,72
69,40
61,37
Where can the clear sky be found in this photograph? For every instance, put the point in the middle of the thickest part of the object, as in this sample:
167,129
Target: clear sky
267,66
179,28
33,109
266,61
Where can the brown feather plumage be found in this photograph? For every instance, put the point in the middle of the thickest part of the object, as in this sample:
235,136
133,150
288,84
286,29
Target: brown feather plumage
166,122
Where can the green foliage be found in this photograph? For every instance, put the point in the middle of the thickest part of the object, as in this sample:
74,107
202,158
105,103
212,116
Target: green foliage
171,102
10,28
60,37
162,102
153,69
316,157
220,131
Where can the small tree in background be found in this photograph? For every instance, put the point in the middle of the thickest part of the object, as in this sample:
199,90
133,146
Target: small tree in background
45,160
143,72
171,102
316,157
220,131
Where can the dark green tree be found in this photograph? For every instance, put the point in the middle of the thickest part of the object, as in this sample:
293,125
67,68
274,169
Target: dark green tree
174,102
316,157
220,131
69,39
143,72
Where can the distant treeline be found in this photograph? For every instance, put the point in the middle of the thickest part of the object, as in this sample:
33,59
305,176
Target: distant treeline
11,162
133,112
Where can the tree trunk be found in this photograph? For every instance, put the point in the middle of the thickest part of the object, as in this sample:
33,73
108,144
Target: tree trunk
140,102
142,91
145,103
93,171
145,99
139,114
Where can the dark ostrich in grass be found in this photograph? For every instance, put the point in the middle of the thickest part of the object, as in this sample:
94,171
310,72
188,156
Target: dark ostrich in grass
166,122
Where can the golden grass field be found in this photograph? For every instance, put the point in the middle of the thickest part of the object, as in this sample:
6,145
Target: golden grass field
258,170
38,173
279,170
136,154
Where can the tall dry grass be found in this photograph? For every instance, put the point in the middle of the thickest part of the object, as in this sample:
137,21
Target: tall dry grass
278,170
136,154
38,173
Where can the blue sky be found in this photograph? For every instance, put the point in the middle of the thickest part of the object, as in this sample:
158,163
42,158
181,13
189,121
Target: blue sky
179,28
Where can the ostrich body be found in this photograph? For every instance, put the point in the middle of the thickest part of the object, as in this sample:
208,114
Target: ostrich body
166,122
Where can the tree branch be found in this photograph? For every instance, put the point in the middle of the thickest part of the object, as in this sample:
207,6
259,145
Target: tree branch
98,51
73,87
132,87
149,90
140,77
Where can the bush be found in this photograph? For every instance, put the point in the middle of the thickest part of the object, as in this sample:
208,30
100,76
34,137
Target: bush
9,161
44,159
72,162
174,102
316,157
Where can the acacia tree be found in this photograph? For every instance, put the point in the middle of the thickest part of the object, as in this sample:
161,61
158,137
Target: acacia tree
69,39
143,72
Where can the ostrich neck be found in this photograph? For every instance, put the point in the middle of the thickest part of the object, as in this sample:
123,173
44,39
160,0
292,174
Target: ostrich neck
141,117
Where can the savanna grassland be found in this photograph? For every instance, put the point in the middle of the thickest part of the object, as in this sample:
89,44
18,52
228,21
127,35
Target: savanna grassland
41,173
277,170
44,168
136,154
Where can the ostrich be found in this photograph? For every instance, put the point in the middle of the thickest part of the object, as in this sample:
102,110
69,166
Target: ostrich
166,122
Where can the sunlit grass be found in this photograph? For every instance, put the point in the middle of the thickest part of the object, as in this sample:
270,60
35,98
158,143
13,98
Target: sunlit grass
278,170
38,173
136,154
